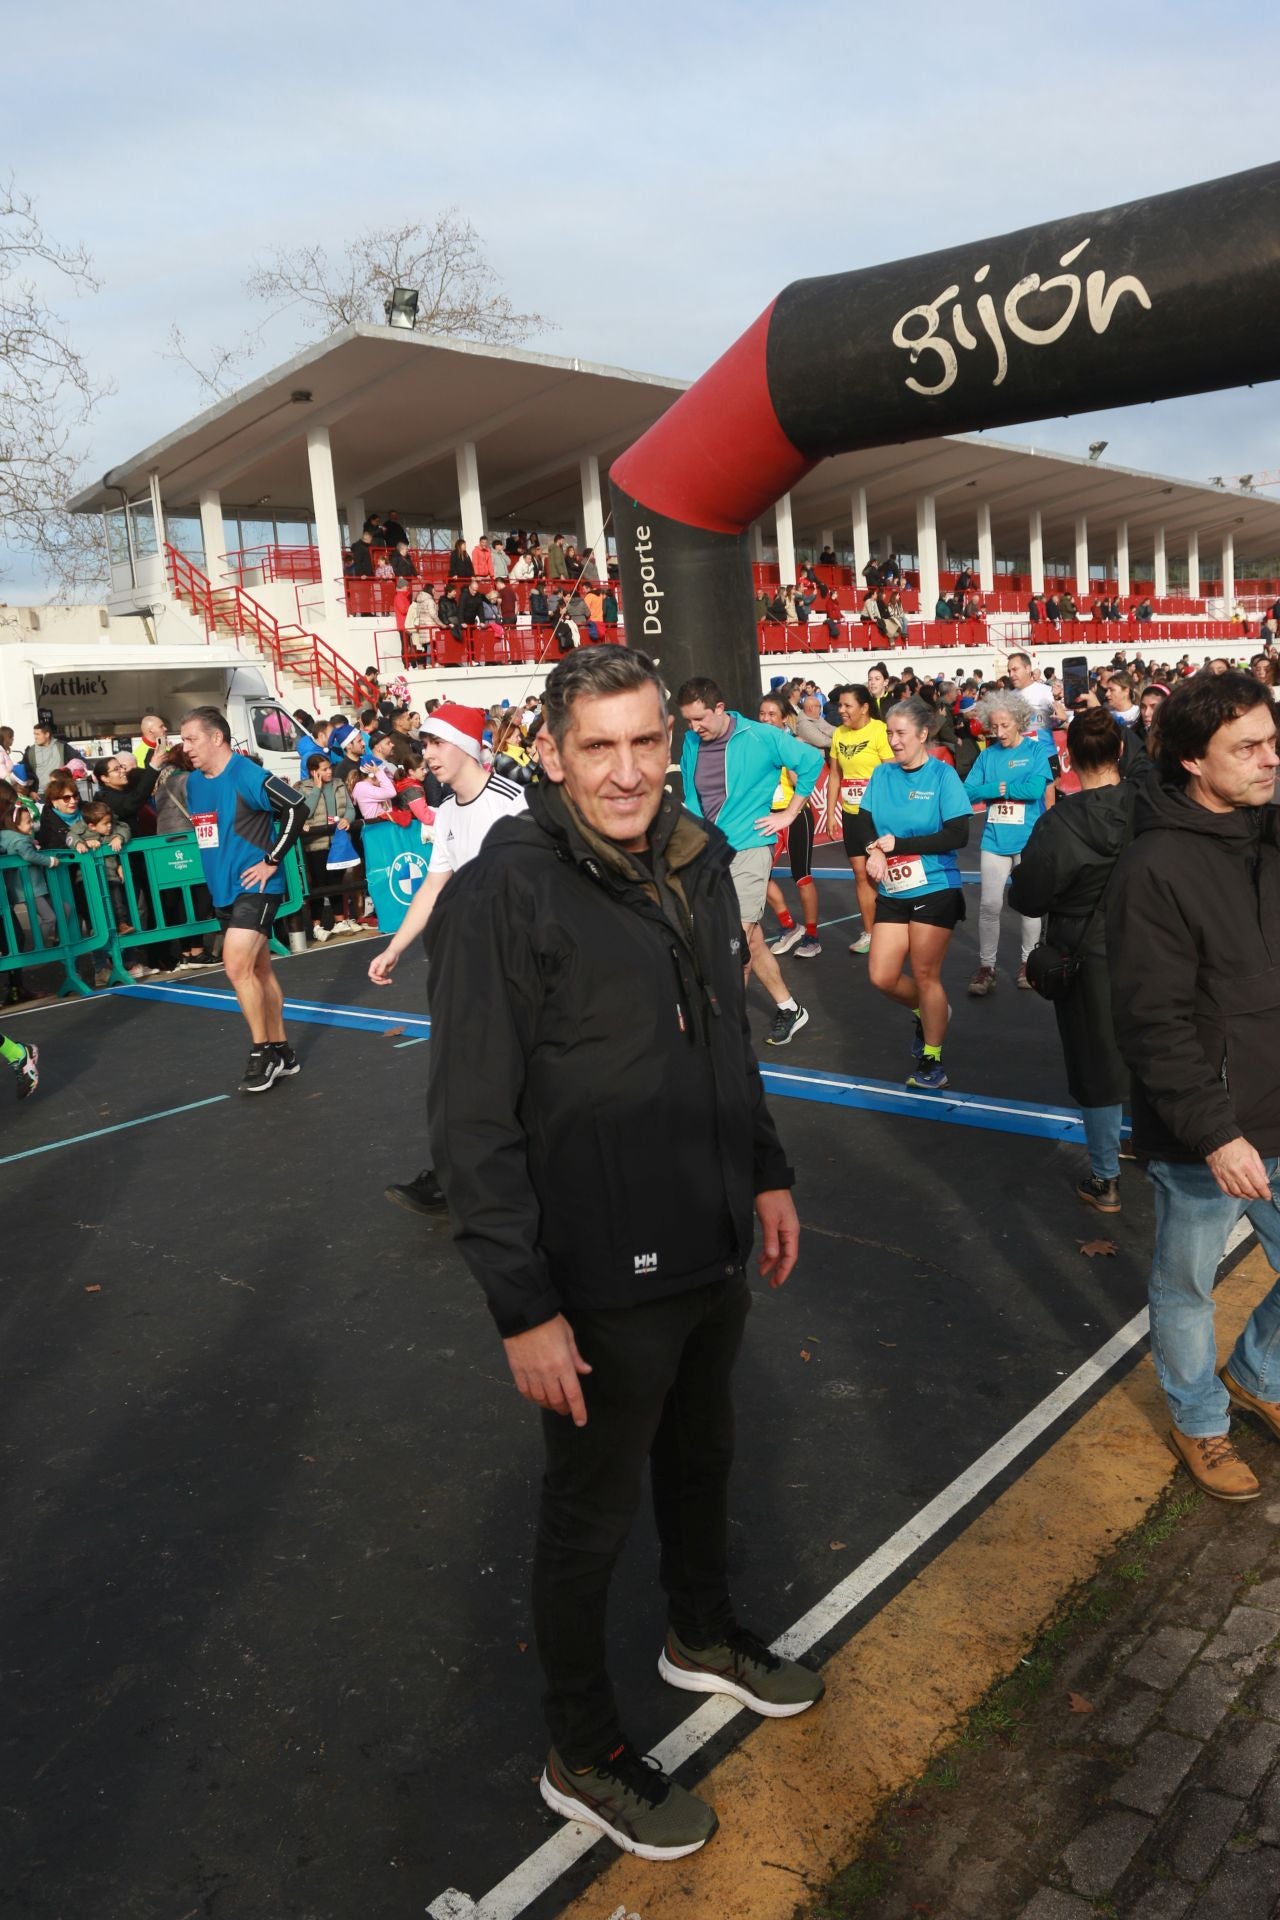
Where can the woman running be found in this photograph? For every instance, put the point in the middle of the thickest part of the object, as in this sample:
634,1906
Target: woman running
858,746
919,818
775,711
1015,779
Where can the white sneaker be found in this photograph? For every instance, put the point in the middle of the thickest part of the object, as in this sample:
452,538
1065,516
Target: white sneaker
786,940
138,972
862,944
321,933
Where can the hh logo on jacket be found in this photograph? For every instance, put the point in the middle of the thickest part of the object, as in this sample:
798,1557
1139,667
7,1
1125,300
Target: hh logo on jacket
646,1263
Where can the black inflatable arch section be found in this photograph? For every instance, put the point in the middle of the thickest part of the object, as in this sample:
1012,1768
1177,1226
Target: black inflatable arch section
1172,295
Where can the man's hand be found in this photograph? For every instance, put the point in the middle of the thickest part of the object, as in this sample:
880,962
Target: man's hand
1239,1171
382,965
545,1363
776,1212
255,878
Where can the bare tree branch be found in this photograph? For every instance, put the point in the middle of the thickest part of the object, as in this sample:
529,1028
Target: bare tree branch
220,374
46,395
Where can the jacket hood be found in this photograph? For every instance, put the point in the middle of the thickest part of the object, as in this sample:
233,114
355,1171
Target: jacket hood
1101,816
1171,808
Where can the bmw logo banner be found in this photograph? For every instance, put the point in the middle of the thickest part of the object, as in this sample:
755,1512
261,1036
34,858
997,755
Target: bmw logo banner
396,862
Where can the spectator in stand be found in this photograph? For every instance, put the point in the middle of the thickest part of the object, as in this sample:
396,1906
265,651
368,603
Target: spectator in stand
522,567
973,608
460,564
811,726
450,611
557,566
964,580
1120,700
763,604
97,828
360,565
154,733
373,527
1143,609
329,805
508,604
314,738
60,812
498,554
943,610
593,601
472,605
401,561
6,753
871,575
426,614
1035,609
482,561
44,756
1052,613
890,571
827,558
611,605
1067,609
1262,667
127,789
18,842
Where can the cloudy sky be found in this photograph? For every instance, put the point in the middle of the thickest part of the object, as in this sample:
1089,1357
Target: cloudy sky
648,177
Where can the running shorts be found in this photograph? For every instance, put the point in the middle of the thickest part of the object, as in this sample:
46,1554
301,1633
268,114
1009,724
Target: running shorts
800,845
254,912
944,908
857,833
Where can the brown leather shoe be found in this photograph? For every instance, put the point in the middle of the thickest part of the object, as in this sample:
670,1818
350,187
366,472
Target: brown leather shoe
1214,1465
1268,1411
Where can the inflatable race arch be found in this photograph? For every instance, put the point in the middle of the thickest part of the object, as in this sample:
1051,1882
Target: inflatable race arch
1172,295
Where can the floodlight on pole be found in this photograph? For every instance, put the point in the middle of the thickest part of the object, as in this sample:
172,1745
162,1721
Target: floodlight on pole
1097,448
401,307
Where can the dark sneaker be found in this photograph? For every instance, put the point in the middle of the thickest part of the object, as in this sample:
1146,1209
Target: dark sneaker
423,1195
1099,1193
786,940
27,1073
262,1071
630,1798
745,1669
289,1061
929,1076
982,983
787,1021
809,948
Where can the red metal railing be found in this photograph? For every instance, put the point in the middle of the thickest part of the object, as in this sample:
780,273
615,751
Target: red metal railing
232,612
272,563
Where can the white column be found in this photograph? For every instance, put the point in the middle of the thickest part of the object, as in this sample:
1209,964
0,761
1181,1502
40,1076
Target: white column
356,516
324,511
1082,558
861,535
470,509
593,513
1035,549
986,550
1160,572
213,535
927,551
157,508
1193,565
757,542
1124,586
786,542
886,546
827,538
1229,572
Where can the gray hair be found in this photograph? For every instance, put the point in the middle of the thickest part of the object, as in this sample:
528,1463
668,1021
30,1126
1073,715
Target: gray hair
596,672
1018,710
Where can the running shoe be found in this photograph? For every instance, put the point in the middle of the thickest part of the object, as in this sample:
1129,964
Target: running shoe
1023,981
929,1076
862,944
629,1797
982,983
1104,1195
289,1061
809,948
319,933
262,1071
744,1668
423,1195
787,1021
140,971
790,937
27,1073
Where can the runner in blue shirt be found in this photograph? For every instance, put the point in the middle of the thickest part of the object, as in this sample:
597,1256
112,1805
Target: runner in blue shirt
245,821
1013,775
919,817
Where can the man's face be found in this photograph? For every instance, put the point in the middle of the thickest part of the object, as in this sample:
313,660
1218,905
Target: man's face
1019,673
707,722
200,743
41,736
400,722
153,729
1238,767
612,761
444,759
1118,696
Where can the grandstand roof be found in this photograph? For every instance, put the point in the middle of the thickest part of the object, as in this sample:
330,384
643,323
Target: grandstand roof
397,403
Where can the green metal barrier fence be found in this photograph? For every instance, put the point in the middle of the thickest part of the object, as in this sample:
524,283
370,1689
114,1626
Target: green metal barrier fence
159,877
32,938
160,874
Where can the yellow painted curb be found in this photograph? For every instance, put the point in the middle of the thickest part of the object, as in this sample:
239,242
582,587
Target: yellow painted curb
796,1797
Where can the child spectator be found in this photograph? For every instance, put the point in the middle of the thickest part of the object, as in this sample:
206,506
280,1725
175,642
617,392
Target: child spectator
96,828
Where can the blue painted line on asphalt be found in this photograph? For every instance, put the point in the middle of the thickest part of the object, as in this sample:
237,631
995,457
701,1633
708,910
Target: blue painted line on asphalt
121,1126
316,1013
411,1043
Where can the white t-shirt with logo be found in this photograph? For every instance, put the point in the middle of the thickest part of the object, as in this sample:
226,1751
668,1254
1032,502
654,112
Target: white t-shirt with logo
461,825
1039,697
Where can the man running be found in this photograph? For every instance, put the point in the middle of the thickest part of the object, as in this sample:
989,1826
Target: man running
730,767
453,738
25,1064
245,821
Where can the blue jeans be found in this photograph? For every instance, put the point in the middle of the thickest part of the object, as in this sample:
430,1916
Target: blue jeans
1193,1219
1102,1137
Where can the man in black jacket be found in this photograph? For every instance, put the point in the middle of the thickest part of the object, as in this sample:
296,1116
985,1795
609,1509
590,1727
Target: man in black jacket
1193,935
600,1131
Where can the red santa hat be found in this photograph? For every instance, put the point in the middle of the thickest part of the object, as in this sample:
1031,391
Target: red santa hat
460,726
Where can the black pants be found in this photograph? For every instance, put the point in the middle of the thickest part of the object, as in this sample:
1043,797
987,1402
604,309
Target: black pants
659,1390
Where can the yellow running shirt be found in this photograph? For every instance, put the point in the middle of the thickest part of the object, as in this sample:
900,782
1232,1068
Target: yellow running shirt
857,752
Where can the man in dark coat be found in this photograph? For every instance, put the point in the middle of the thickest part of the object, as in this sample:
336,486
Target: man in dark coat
601,1135
1193,934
